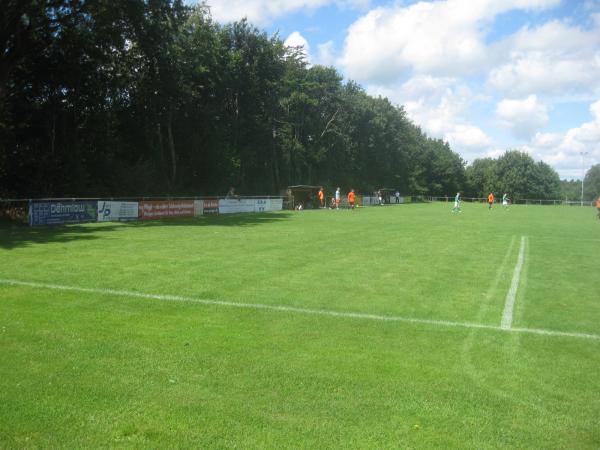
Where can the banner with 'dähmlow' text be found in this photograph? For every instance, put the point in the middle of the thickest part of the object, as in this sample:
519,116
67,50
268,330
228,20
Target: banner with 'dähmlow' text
62,212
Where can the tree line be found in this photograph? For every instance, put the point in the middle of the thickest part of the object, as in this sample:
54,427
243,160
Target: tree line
153,97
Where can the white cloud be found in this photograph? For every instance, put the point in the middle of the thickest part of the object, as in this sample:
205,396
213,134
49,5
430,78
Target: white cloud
587,136
522,117
432,103
546,140
554,58
262,12
297,40
468,137
326,54
445,37
437,105
564,151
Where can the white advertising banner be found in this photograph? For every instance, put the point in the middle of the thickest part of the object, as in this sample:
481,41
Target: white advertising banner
268,204
276,204
110,210
198,207
241,205
236,205
262,204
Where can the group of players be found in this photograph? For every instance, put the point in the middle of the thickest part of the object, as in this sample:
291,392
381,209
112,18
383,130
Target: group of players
337,200
505,202
490,200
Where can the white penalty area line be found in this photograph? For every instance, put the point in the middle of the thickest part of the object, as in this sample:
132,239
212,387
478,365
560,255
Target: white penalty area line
292,309
511,296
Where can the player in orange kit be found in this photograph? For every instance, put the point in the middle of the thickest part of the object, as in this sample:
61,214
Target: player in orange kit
351,198
322,197
490,200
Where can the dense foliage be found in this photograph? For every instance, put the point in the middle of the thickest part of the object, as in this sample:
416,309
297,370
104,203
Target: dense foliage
515,173
151,97
571,189
591,183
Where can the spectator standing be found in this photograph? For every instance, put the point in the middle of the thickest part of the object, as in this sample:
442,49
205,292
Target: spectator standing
397,195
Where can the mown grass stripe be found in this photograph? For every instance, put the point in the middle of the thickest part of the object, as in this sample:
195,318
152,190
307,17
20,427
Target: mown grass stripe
292,309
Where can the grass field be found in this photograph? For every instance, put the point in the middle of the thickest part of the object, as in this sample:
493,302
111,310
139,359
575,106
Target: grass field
376,328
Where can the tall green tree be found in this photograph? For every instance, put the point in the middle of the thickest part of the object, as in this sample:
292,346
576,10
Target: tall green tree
570,190
151,97
591,183
482,177
515,173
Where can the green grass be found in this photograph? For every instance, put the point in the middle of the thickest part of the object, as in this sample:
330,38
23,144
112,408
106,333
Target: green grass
85,369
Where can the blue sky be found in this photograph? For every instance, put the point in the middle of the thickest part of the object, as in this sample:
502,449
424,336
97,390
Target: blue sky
485,75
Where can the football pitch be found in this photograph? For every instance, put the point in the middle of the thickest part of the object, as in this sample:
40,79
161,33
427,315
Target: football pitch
385,327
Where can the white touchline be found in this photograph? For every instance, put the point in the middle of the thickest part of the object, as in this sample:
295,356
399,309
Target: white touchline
320,312
509,303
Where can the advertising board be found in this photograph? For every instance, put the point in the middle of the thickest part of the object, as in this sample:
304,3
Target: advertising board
268,204
236,205
198,207
163,209
211,206
275,204
62,212
111,210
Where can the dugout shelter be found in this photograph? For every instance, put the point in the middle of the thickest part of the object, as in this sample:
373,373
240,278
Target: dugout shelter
305,194
387,194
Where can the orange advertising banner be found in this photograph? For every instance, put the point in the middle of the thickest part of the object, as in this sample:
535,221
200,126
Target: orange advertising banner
162,209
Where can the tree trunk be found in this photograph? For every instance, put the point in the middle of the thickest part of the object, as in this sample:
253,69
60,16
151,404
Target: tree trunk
161,154
276,185
53,135
172,148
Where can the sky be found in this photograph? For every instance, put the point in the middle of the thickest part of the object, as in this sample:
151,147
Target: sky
485,75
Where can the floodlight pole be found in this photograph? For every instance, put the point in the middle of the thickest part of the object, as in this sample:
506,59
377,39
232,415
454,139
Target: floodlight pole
582,174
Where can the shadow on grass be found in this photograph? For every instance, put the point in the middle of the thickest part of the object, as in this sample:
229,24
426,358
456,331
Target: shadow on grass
21,235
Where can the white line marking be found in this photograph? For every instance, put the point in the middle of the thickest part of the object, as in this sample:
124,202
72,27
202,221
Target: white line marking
320,312
509,304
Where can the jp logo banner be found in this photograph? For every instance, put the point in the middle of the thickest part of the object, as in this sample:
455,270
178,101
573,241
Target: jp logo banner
111,210
62,212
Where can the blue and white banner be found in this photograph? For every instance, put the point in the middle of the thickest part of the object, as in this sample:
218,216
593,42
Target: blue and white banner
242,205
110,210
268,204
61,212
